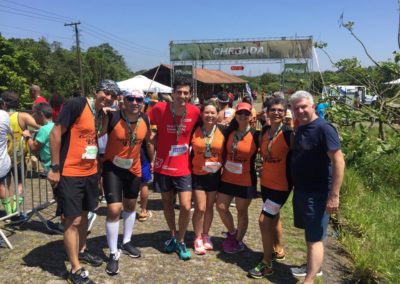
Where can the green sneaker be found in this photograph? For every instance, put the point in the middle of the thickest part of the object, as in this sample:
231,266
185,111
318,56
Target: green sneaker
181,249
261,270
6,205
170,245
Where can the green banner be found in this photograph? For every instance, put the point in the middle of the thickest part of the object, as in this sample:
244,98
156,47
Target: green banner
183,72
299,68
241,50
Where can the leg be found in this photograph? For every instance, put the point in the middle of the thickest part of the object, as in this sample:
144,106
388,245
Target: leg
278,240
129,216
199,210
144,196
242,206
267,228
71,241
185,200
223,201
169,213
83,231
209,214
112,225
315,257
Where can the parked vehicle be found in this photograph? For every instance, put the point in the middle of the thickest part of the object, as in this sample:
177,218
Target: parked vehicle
348,93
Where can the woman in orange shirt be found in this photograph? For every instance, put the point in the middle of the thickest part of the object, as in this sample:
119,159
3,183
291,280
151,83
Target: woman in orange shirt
207,148
239,177
275,186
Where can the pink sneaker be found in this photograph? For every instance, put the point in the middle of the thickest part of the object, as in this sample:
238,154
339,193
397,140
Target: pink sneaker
207,243
229,242
199,247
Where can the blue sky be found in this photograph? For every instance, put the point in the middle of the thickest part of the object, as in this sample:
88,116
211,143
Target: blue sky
142,30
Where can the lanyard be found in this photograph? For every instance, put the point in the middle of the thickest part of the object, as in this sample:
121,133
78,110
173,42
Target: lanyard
239,135
270,139
98,118
178,128
208,138
132,135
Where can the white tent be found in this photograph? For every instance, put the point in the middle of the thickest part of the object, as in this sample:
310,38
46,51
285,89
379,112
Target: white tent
145,84
394,82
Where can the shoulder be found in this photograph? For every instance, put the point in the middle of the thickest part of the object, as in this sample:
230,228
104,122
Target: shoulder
145,119
193,110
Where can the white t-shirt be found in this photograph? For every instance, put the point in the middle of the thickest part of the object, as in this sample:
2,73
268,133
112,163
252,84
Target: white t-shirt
5,161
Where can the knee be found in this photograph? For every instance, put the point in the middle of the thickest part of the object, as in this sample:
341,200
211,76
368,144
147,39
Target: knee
200,209
185,208
73,221
113,214
221,208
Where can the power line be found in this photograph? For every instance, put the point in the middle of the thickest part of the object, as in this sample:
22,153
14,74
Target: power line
29,16
37,32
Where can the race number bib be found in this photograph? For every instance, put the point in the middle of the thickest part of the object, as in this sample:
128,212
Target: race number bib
177,150
212,167
233,167
90,153
122,163
228,113
271,207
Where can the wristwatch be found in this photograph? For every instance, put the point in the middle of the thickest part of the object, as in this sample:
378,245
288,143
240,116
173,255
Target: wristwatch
55,168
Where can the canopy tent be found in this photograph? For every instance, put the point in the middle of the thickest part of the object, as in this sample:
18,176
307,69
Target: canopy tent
143,83
394,82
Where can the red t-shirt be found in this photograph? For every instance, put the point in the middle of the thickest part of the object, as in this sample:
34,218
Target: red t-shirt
172,156
40,100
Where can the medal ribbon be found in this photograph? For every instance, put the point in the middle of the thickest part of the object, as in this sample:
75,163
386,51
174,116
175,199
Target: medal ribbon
239,135
270,139
179,127
132,135
208,138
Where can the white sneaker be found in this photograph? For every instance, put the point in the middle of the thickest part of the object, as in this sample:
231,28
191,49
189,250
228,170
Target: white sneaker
301,271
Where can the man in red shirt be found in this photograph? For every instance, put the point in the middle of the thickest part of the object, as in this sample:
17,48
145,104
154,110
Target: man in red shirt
35,92
175,123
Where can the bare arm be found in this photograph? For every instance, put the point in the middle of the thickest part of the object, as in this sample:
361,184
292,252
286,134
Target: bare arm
338,165
55,145
34,145
27,120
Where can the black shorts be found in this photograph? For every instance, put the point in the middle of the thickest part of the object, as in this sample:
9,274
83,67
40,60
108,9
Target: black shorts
77,194
208,182
164,183
118,182
245,192
273,201
19,170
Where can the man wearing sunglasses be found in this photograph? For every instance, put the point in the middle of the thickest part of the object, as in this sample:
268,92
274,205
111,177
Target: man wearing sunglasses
175,123
73,171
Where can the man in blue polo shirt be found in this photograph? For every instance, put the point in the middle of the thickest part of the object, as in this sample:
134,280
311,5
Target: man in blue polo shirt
317,168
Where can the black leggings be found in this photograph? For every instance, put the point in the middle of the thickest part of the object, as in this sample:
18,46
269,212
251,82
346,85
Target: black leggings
117,181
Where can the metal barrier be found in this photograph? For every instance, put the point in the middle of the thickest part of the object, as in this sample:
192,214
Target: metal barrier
31,203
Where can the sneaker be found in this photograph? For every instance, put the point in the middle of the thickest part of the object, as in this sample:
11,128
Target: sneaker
87,257
182,251
229,242
56,228
81,276
235,247
170,245
130,250
301,271
144,216
7,205
91,217
277,256
261,270
199,247
207,243
112,267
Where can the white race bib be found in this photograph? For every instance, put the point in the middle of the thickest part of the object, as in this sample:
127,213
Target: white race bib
233,167
271,207
228,112
212,167
122,163
90,152
177,150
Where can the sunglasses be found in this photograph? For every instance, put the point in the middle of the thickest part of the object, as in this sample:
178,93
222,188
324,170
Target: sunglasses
134,99
243,112
278,110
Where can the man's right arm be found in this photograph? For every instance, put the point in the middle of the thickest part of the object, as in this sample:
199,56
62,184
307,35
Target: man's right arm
55,145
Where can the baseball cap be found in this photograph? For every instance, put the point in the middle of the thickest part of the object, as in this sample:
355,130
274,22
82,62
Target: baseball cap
243,106
223,98
108,86
133,93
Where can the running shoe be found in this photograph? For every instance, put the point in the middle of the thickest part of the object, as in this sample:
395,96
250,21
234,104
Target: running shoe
81,276
87,257
56,228
182,251
261,270
277,256
170,245
207,243
301,271
91,217
130,250
199,247
235,247
112,267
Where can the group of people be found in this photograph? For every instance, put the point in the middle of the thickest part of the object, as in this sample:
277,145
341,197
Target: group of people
203,154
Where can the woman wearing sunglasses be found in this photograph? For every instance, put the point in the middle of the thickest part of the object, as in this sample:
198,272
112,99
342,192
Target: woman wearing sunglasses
207,149
126,128
275,187
239,177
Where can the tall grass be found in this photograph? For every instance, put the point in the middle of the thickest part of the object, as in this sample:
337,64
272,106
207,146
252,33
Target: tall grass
370,232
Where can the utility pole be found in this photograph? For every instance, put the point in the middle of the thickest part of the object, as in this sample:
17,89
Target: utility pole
78,54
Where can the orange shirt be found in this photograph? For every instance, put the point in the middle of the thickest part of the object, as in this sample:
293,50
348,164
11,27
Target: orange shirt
273,173
200,164
118,149
243,165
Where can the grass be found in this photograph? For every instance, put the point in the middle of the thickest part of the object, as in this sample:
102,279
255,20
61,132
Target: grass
371,231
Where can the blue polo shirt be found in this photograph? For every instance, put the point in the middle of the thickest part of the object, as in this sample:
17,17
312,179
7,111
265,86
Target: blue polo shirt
310,165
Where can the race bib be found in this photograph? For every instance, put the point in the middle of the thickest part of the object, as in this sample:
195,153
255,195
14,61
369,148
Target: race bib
228,113
177,150
233,167
212,167
122,163
90,152
271,207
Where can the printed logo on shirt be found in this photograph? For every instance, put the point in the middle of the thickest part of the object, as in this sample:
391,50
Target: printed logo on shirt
177,150
158,162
